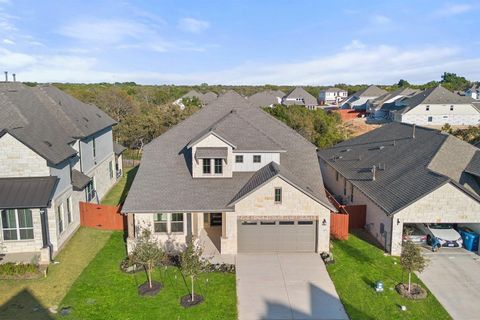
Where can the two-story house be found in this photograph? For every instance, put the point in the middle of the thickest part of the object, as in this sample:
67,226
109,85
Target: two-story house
300,97
234,177
332,96
473,92
359,99
55,151
437,106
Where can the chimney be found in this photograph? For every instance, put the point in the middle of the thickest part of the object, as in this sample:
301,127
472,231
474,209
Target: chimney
6,76
413,131
14,77
374,171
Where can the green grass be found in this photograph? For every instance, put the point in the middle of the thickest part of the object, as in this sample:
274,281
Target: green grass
18,298
104,292
358,266
118,193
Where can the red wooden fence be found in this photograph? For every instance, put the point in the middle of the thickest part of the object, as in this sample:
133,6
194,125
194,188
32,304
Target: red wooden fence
339,226
102,217
357,216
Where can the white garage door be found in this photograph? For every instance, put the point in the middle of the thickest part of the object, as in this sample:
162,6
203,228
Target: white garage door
276,236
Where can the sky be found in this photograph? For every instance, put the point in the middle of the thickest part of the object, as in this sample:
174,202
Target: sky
301,42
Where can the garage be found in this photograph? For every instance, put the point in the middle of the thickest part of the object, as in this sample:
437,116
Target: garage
276,236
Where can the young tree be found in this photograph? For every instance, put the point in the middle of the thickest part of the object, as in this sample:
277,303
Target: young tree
192,263
147,253
412,260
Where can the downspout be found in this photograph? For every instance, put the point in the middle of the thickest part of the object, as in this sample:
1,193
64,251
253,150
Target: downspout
45,234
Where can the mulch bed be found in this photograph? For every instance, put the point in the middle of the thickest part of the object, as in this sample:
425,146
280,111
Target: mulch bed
186,301
145,290
416,291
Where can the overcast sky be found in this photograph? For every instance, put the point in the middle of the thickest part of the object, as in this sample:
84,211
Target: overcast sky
239,42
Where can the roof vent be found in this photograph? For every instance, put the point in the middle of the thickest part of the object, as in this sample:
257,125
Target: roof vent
98,115
381,147
85,119
347,150
6,76
47,143
14,77
374,172
413,131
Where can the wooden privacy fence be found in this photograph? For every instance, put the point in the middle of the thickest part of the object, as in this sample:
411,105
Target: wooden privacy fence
339,226
102,217
357,216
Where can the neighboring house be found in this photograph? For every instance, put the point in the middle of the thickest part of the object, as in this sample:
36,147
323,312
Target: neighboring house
203,98
236,178
299,96
381,106
266,98
55,151
405,175
438,106
359,99
332,96
473,92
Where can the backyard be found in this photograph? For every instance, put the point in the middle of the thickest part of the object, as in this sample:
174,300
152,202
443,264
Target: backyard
118,193
358,266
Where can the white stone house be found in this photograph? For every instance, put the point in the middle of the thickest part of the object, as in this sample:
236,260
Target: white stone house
332,96
405,174
234,177
437,106
54,152
300,97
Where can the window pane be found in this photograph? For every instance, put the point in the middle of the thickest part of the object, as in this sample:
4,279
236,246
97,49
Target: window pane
206,166
257,158
26,234
25,218
285,222
218,166
177,216
160,227
278,195
161,217
177,226
9,234
239,159
305,222
8,219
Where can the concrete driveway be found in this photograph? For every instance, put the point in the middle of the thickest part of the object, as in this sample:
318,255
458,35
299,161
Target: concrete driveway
453,277
285,286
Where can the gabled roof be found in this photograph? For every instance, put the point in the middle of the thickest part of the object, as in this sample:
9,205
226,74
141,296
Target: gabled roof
301,93
334,89
436,95
267,173
265,98
398,94
407,168
26,192
164,182
204,98
118,148
371,91
47,120
193,94
209,97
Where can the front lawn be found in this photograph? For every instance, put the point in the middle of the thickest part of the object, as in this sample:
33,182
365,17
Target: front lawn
104,292
30,299
358,266
118,192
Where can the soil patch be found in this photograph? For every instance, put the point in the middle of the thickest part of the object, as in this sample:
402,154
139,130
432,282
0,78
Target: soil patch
186,301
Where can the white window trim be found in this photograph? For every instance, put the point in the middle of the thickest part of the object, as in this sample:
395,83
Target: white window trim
17,227
61,216
69,211
169,224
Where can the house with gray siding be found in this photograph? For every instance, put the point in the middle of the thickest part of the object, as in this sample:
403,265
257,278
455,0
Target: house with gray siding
55,151
236,179
405,174
360,99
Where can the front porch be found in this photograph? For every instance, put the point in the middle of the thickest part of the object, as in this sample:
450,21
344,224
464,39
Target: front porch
211,230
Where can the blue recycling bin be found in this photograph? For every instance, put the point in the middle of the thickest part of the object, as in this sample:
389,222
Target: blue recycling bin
470,239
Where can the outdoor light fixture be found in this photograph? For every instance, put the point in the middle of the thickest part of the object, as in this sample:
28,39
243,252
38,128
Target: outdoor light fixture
324,222
398,221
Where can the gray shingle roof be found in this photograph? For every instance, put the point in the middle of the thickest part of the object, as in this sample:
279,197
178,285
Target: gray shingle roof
48,120
209,97
79,180
164,181
436,95
265,98
413,167
299,92
402,92
31,192
371,91
474,165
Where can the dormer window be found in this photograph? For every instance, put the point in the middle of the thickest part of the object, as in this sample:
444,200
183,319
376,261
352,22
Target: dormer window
218,166
206,166
257,158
